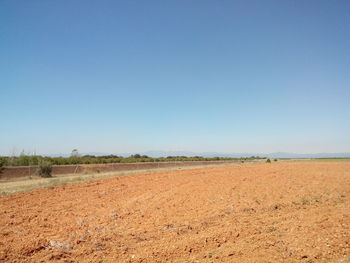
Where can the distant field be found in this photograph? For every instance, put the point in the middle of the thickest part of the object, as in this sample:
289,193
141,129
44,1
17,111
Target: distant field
332,159
25,171
9,186
320,159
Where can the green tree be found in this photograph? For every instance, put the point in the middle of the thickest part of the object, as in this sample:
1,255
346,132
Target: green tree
45,168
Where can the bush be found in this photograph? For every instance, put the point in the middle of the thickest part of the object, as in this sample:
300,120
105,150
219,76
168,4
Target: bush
275,160
45,169
268,161
2,162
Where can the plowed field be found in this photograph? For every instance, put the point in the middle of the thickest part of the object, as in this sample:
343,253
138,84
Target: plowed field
278,212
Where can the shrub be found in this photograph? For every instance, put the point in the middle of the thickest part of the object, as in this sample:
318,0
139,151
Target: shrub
2,162
275,160
45,169
268,161
272,229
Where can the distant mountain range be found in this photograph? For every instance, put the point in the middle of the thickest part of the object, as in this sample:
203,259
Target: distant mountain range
216,154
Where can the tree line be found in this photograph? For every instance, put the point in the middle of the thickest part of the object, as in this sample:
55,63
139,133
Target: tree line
75,158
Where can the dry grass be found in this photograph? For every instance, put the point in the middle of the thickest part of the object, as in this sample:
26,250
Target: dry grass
34,182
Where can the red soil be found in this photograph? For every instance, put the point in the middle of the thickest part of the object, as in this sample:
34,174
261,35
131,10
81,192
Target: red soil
279,212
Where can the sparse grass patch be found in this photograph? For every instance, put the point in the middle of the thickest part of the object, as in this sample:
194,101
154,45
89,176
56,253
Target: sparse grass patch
272,229
305,201
317,198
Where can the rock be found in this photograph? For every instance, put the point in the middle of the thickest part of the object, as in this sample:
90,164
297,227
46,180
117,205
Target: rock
60,245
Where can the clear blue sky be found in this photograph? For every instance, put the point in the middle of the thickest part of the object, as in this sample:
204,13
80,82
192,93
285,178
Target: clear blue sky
131,76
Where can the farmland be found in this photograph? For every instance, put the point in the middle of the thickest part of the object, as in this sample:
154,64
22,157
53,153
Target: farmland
263,212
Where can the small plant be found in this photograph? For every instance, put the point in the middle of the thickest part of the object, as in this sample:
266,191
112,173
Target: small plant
2,164
318,198
268,161
45,169
275,160
305,201
272,229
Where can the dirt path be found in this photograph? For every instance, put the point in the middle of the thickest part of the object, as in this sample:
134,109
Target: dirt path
279,212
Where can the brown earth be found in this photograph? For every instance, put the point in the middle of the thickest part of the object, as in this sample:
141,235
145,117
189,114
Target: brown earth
279,212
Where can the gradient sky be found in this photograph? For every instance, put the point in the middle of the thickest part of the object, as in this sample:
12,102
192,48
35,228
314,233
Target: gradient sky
131,76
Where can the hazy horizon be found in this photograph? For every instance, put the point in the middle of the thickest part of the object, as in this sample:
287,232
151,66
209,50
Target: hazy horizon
162,153
199,76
